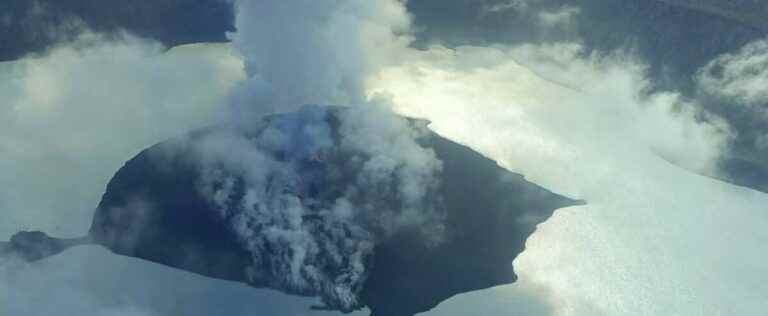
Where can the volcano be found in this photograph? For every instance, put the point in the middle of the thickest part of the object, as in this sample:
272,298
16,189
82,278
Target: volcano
287,203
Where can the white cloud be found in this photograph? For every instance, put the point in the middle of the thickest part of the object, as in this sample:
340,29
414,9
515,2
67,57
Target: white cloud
653,239
93,281
742,75
560,104
561,17
504,6
70,118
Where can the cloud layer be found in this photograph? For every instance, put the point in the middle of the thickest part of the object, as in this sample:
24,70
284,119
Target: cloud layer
76,114
69,119
653,235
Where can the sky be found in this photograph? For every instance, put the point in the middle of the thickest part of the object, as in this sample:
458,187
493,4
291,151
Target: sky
661,233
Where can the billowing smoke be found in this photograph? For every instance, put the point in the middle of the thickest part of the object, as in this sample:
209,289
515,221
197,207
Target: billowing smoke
311,193
309,207
313,52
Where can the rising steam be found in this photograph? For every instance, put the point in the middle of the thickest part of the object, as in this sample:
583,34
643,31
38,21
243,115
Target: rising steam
311,193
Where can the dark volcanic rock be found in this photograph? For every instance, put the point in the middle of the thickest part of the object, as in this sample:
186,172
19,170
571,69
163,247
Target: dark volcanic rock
153,209
491,212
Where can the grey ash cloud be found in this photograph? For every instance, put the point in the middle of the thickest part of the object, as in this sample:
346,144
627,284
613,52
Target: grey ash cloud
320,246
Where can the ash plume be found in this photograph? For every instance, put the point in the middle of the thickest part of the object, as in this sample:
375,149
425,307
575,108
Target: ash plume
305,236
313,52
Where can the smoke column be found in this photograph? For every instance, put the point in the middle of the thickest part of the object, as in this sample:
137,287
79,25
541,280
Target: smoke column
313,52
308,205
